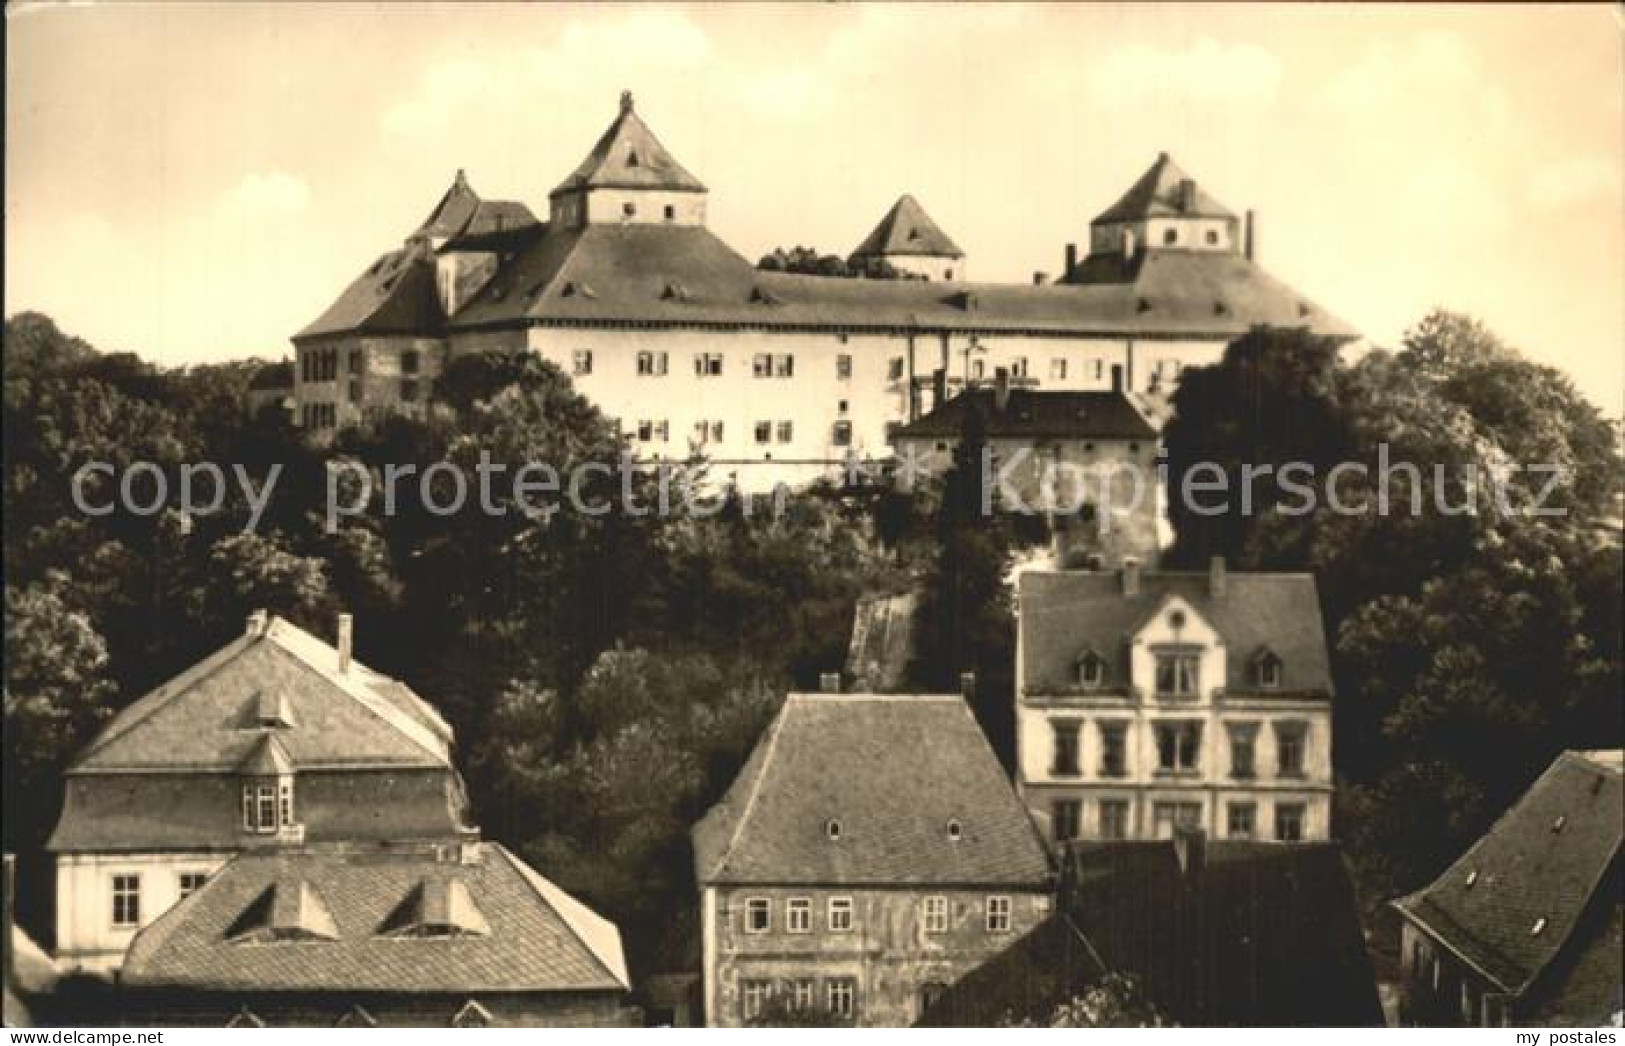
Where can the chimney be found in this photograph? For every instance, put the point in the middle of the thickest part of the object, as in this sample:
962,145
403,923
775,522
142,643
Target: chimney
1131,576
1001,388
1250,236
1128,243
256,624
967,685
1215,577
1187,195
346,635
939,387
1071,260
829,682
1117,377
1040,278
1190,847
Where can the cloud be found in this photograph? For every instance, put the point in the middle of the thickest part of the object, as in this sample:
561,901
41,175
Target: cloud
445,89
262,194
1206,73
1572,181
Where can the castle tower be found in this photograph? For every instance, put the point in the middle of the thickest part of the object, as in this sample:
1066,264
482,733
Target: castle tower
628,178
1164,210
909,241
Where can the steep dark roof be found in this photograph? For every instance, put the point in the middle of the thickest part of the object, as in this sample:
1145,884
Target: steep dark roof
1157,194
1254,934
907,230
395,295
894,771
1539,865
452,213
1036,414
1064,613
533,937
629,156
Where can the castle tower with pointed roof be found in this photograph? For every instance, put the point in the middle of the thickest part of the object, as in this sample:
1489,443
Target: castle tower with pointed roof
628,178
1165,208
909,241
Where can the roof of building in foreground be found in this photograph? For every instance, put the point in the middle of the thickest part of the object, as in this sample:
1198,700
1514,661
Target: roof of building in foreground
1036,414
864,789
1229,934
454,919
1066,614
1510,905
907,231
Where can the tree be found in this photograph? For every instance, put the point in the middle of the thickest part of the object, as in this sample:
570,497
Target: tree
1117,1000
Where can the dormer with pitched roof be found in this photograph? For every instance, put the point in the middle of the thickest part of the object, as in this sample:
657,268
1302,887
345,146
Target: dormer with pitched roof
910,242
628,178
1164,209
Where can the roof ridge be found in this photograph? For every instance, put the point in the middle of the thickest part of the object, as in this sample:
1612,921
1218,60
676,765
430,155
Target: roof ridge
551,895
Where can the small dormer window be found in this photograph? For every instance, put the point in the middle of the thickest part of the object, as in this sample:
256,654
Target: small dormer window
1557,825
1176,620
832,828
1267,670
955,829
631,157
1091,670
1540,925
1177,674
1472,877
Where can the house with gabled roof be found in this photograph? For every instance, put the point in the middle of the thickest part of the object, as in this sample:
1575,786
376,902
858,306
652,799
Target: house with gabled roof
775,376
870,853
1525,928
1151,701
453,934
276,740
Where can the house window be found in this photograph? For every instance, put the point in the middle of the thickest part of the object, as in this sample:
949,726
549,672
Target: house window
784,366
998,914
753,996
284,803
1179,746
786,431
978,370
355,392
1241,820
1057,369
260,808
1018,367
126,900
1114,818
409,362
1065,816
761,365
1177,674
581,362
1289,822
758,915
1212,238
1289,745
764,432
841,434
651,364
1113,750
930,992
1267,671
936,914
1170,237
798,915
629,210
190,883
708,365
843,367
409,390
839,914
1243,738
671,213
356,360
1065,763
1166,817
894,369
1091,671
840,997
801,995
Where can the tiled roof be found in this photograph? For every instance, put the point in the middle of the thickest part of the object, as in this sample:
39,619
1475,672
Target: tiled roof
534,938
1064,613
395,295
1157,194
1256,935
907,230
629,156
1508,905
209,717
452,213
1037,414
894,772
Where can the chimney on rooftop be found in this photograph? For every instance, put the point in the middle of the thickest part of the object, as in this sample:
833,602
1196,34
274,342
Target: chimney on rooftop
1117,377
256,624
829,682
1040,278
1071,261
1215,577
1250,236
1001,388
1187,195
346,635
1131,576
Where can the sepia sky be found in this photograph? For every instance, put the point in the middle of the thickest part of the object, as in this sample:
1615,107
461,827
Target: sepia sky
196,182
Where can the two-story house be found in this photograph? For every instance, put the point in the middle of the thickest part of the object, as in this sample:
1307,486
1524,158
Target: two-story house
869,854
1147,701
276,740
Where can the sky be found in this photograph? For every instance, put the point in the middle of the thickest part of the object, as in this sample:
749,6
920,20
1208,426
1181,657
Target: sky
196,182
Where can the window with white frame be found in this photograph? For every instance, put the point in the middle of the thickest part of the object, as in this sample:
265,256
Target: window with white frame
1065,816
1178,673
581,362
801,994
708,365
1289,748
786,431
784,366
127,899
998,914
936,914
1289,822
1113,819
1179,747
798,915
843,367
652,364
840,914
1241,820
753,998
1057,369
840,997
761,365
262,805
1113,749
190,883
758,915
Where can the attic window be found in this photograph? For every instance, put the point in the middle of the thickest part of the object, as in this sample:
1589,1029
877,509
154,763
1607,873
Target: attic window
760,297
1176,620
1540,924
288,911
674,292
631,157
472,1015
1091,670
832,828
955,829
1267,670
436,908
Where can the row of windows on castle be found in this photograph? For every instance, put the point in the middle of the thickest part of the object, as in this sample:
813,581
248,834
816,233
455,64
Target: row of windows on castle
839,914
1112,819
764,432
1179,748
651,363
